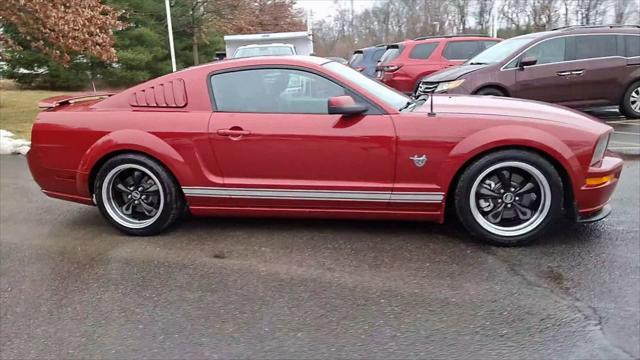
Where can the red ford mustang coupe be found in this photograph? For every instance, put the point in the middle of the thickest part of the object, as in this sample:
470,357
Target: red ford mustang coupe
308,137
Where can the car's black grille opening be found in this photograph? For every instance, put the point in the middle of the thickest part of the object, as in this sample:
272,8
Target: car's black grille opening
426,88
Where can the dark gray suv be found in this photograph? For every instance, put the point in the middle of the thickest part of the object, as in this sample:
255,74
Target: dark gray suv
578,66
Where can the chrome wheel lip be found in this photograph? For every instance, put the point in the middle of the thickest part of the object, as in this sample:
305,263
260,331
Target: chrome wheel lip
114,210
634,99
526,227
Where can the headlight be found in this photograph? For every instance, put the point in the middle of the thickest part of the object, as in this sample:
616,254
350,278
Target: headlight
601,147
450,85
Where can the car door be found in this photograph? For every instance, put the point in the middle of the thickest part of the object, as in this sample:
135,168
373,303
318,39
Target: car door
596,69
549,79
278,146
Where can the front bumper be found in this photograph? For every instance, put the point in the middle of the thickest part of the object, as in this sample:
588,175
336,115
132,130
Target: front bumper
591,201
596,216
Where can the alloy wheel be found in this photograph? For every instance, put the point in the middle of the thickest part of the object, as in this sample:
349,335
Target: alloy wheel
132,196
634,100
510,198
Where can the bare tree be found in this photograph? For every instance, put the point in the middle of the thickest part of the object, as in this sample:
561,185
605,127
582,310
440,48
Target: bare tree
483,12
590,12
514,13
460,11
543,14
622,10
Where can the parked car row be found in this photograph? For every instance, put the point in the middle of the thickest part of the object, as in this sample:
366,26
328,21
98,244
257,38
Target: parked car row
577,66
403,65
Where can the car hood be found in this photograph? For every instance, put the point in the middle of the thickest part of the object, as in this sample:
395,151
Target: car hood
452,73
513,108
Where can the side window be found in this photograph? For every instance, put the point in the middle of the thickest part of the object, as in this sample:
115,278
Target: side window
595,46
423,51
462,50
273,91
632,45
550,51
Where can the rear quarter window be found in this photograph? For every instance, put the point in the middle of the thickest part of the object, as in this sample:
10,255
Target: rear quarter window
462,50
423,51
632,45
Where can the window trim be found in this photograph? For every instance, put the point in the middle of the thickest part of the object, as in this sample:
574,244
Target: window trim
374,109
516,58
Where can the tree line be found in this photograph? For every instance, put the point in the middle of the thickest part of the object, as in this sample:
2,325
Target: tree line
74,44
395,20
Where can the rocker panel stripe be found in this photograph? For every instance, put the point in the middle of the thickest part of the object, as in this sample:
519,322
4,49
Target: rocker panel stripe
326,195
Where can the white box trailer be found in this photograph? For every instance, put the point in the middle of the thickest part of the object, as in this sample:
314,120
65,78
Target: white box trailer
302,41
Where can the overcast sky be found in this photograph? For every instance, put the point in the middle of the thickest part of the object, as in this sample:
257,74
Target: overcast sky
325,8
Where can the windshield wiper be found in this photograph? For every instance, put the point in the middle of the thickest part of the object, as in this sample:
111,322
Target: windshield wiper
478,63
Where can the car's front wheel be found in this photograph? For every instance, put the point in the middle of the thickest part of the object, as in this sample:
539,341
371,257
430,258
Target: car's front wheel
137,195
630,106
509,197
491,91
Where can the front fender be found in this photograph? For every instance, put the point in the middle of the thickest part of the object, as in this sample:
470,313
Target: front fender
511,136
130,140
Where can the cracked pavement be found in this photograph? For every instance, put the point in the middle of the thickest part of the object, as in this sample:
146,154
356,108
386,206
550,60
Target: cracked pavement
71,286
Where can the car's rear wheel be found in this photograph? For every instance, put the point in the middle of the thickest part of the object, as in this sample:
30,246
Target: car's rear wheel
630,106
491,91
137,195
509,197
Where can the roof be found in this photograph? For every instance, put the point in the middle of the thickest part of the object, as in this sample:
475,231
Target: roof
262,60
264,45
583,30
269,36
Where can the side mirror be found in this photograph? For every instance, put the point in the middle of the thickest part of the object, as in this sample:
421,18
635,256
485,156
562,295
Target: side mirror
528,61
345,105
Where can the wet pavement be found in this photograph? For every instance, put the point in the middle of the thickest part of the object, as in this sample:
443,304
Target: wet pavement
626,137
73,287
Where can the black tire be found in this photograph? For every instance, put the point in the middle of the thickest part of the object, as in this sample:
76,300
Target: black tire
630,104
543,207
151,209
490,91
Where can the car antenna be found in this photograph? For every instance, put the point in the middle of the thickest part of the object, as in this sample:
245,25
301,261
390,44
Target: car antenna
431,113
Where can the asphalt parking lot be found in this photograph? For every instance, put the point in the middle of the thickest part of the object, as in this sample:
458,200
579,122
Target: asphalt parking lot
73,287
626,138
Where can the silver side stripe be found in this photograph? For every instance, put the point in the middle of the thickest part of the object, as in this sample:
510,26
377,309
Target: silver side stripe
331,195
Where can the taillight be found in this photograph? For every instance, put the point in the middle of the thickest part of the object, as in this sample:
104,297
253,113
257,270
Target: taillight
391,68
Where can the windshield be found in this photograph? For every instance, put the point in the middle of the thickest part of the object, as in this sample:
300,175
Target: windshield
499,51
263,51
384,93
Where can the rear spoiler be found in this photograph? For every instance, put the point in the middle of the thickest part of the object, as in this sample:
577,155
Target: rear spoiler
71,98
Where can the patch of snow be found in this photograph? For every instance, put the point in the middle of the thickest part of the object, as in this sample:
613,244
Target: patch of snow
10,145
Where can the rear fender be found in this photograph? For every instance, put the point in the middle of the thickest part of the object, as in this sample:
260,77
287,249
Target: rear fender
131,140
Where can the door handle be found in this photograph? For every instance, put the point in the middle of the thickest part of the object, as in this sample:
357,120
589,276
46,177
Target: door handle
233,132
570,73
